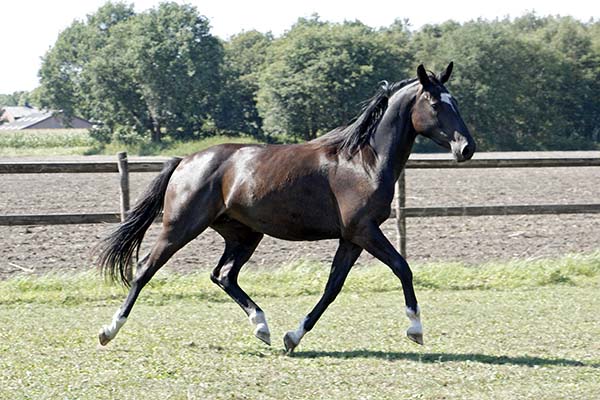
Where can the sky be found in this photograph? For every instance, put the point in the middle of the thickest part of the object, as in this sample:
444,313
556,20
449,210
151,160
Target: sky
29,28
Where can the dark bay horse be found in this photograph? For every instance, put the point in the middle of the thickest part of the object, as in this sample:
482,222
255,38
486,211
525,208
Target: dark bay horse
339,186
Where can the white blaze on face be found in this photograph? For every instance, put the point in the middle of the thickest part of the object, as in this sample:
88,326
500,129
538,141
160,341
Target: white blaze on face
447,98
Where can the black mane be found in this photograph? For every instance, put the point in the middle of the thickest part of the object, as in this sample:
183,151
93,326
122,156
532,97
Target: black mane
349,139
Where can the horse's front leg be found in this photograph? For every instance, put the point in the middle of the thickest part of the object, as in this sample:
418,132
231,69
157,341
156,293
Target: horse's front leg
374,241
345,257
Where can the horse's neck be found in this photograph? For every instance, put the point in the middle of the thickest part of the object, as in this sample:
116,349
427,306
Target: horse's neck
395,135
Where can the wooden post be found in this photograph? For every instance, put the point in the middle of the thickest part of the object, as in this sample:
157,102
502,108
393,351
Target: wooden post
124,175
401,215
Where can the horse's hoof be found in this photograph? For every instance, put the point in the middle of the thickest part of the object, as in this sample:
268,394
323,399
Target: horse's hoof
103,338
289,343
415,337
264,335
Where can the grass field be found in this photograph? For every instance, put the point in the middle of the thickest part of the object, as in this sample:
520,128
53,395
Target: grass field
526,329
44,142
63,142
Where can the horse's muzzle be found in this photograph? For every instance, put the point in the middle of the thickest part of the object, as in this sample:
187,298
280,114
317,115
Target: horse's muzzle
462,149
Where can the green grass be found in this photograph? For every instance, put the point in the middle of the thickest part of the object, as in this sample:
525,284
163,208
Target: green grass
308,278
170,148
61,142
525,329
44,142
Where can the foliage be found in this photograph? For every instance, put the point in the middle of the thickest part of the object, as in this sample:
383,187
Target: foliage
522,85
152,73
245,56
64,75
20,98
525,84
45,142
45,138
318,73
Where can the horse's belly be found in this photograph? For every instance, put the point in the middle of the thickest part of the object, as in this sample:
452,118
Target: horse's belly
299,231
291,223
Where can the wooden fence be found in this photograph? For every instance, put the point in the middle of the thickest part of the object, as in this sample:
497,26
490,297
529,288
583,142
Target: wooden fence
123,166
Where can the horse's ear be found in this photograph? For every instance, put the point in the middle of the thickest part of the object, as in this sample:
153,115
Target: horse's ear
444,76
423,77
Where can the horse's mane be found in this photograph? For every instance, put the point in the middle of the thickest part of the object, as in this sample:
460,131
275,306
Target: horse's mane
353,137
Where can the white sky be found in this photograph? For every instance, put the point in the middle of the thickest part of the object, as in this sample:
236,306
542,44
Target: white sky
29,28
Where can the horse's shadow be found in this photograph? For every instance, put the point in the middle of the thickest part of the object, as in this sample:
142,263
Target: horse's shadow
528,361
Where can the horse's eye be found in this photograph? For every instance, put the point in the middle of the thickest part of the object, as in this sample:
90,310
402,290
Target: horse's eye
435,105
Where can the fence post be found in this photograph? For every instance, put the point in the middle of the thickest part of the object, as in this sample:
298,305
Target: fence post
400,214
123,166
124,176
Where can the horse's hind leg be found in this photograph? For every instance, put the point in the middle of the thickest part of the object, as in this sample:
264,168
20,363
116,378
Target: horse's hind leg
240,243
172,238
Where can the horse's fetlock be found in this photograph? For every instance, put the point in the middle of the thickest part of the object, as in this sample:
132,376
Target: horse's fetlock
215,279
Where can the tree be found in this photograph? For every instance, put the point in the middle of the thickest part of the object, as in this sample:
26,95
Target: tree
163,72
318,73
64,74
516,91
18,98
154,73
244,60
529,83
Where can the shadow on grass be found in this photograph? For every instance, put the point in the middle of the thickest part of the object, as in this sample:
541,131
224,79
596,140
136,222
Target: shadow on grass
447,357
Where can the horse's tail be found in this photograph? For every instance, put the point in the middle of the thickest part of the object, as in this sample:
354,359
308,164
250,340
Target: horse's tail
115,251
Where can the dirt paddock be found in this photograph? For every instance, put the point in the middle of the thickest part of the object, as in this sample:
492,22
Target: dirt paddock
41,249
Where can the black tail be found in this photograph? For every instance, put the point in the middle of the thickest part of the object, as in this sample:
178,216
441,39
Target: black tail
116,250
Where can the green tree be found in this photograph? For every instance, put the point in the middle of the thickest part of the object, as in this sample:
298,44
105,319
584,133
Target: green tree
150,74
64,74
516,91
318,72
166,74
18,98
573,41
244,60
529,83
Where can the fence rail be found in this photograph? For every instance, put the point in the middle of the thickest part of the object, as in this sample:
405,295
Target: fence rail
71,167
400,212
59,219
483,211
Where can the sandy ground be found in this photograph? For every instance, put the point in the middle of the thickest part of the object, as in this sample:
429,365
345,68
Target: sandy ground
40,249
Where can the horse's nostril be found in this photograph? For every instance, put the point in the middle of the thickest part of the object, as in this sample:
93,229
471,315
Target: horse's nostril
467,151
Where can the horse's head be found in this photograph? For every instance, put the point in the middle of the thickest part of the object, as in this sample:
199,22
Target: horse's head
435,115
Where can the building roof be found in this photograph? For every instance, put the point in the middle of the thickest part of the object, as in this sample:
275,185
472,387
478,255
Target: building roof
17,112
23,117
17,118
